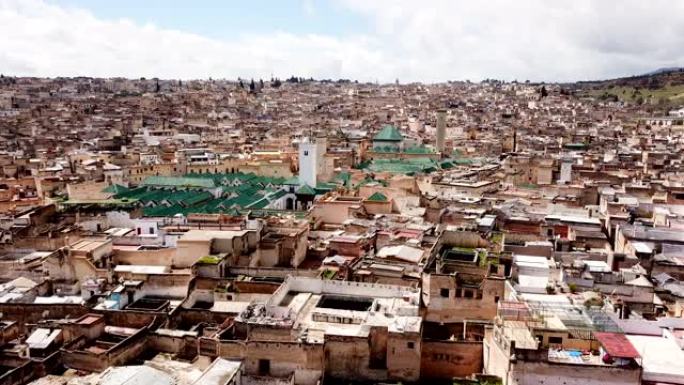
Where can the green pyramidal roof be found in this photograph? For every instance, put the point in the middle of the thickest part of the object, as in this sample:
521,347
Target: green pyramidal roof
389,133
306,190
377,197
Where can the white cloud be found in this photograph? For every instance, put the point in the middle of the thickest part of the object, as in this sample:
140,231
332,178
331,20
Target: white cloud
410,40
47,40
309,7
530,39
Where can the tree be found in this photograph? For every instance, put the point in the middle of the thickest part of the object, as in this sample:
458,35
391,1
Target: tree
240,83
252,86
543,92
276,83
261,83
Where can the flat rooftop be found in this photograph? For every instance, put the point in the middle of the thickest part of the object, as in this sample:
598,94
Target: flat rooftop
207,235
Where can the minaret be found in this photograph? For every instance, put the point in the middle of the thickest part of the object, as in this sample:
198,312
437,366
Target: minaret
441,130
515,139
308,162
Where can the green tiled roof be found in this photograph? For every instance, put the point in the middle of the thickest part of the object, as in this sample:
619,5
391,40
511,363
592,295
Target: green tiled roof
377,197
277,195
115,189
575,145
306,190
260,204
173,181
446,164
342,176
161,196
325,187
402,166
370,180
419,150
131,193
389,133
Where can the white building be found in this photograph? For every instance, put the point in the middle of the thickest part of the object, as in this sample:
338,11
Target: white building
309,162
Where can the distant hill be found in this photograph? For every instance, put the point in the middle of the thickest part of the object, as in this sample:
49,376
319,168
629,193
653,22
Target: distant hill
663,70
663,87
663,77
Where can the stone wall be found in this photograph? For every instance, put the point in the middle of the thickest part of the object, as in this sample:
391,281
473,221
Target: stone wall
160,257
403,356
349,358
28,313
449,359
456,309
284,358
533,373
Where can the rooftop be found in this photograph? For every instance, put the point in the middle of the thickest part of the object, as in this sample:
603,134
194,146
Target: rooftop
388,133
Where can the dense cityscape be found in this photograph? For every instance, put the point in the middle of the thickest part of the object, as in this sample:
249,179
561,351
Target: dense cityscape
299,231
341,192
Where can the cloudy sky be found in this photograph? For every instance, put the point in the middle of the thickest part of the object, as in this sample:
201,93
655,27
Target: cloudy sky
368,40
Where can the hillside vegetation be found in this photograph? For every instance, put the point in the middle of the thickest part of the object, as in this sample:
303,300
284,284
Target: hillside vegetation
664,88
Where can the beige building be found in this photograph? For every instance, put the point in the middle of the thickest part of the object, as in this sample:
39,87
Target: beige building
310,329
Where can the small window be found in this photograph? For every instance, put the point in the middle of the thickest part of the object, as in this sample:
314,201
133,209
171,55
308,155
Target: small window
496,299
467,294
444,293
410,344
556,340
151,230
306,153
264,367
457,293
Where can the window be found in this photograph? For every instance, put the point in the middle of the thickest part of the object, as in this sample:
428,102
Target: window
151,230
444,293
467,294
556,340
496,299
264,367
410,344
306,153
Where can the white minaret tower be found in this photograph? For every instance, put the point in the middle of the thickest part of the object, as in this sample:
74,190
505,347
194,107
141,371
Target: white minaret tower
308,162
